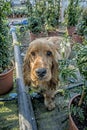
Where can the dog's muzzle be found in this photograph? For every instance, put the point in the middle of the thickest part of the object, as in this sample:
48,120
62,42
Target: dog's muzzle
41,72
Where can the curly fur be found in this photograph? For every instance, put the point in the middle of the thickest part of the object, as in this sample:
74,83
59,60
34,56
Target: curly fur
43,53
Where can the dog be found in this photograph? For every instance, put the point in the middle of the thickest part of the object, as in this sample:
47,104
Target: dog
40,67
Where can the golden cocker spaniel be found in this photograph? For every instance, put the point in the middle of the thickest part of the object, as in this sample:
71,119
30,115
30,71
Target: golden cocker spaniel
40,68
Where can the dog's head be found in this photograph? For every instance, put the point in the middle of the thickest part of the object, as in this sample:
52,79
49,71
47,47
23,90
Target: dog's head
41,64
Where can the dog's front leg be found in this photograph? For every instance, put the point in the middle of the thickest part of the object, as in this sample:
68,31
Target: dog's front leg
49,99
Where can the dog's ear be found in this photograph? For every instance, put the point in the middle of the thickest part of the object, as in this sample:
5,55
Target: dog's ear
55,77
56,53
26,70
56,56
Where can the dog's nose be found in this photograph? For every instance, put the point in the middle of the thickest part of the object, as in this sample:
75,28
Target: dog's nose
41,72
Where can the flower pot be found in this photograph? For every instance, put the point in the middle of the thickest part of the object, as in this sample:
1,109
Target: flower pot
71,30
6,82
72,125
77,38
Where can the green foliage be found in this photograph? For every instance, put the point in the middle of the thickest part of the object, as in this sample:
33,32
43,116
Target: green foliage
4,38
78,112
35,25
65,71
82,60
4,9
52,14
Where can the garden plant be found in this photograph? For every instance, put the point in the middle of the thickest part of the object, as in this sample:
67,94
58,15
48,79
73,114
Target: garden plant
78,107
6,64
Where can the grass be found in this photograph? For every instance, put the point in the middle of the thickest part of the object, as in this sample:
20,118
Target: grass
8,116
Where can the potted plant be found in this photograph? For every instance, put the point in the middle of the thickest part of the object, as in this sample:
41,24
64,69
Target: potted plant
79,33
6,66
48,13
81,27
35,27
71,16
78,104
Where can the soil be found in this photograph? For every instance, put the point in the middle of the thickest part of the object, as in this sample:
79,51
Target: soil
80,118
56,119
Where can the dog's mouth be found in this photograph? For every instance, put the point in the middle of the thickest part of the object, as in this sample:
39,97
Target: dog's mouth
42,78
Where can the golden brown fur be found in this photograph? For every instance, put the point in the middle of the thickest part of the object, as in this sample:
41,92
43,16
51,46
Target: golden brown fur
40,69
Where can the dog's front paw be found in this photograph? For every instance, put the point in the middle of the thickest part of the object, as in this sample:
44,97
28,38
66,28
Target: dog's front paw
51,106
49,102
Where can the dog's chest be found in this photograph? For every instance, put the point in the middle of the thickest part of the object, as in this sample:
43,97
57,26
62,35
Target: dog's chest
41,87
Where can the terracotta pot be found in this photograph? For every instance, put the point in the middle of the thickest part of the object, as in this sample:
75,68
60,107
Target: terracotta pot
71,30
6,81
72,125
77,38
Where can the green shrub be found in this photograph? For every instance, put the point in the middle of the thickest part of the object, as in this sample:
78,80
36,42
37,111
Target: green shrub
4,37
35,25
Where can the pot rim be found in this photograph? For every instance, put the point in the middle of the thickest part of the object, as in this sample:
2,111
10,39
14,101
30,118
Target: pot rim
72,99
70,117
12,68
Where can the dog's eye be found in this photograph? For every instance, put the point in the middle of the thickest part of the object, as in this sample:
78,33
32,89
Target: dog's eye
49,53
33,53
